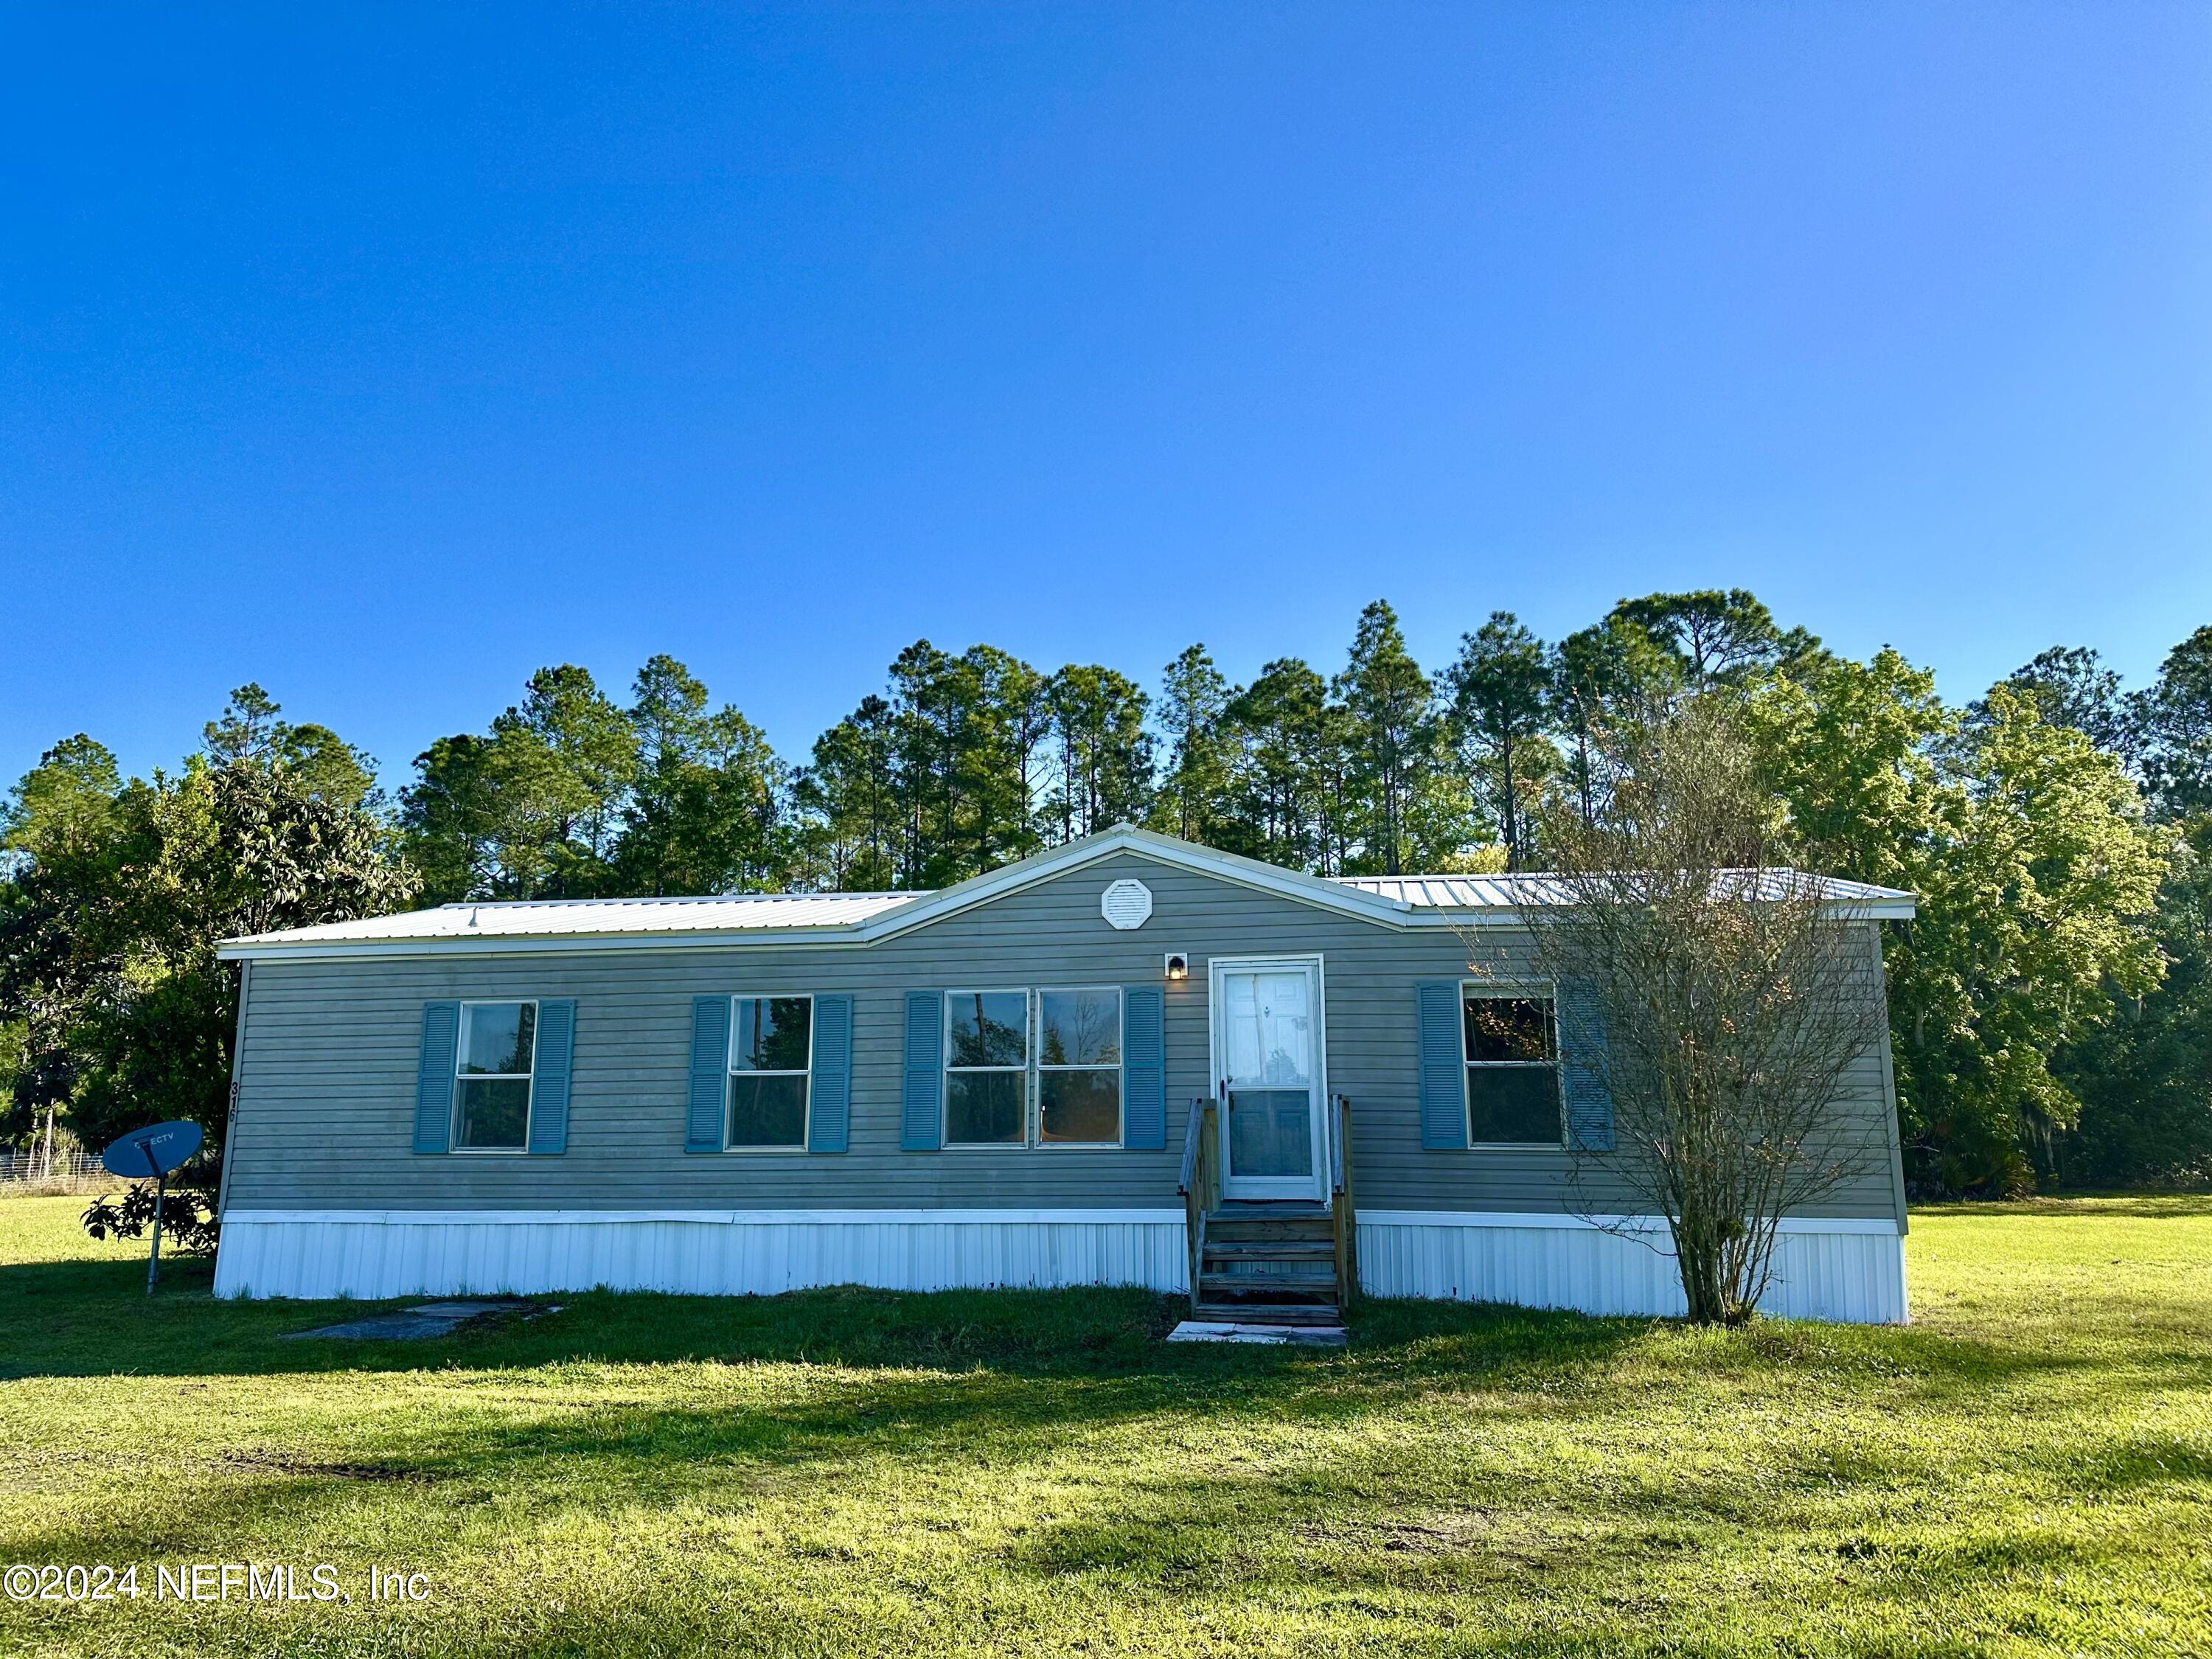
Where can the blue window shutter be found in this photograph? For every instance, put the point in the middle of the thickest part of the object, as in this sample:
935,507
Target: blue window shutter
922,1120
1586,1064
1143,1069
710,1074
549,1083
830,1092
1443,1066
434,1077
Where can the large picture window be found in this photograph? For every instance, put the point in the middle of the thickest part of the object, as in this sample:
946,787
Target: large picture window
771,1063
987,1062
1512,1055
1033,1068
491,1084
1080,1067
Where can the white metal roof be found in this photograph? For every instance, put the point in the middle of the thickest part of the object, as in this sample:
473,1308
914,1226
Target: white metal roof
1516,891
863,918
561,918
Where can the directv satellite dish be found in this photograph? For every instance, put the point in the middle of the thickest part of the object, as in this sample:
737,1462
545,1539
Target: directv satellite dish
154,1152
149,1154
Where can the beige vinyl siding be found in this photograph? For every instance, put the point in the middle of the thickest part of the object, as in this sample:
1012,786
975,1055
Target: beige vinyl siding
327,1071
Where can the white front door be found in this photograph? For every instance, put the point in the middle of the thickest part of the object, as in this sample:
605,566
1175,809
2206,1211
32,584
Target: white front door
1269,1076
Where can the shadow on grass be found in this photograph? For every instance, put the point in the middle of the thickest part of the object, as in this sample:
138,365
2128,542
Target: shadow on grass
92,1319
910,1394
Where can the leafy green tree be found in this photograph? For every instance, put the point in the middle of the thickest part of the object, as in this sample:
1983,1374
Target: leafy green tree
110,916
450,822
1393,736
999,761
251,726
937,781
567,756
2144,1076
1104,752
1194,798
534,809
2175,720
60,817
1715,638
2070,686
1291,787
849,799
705,813
69,796
2037,874
1612,671
1501,704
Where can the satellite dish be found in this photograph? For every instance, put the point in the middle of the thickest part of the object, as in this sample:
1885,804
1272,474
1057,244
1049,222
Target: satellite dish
151,1153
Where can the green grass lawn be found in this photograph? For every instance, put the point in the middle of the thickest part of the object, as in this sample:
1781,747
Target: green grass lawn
2027,1469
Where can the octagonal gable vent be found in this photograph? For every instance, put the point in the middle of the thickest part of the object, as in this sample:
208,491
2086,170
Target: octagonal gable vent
1126,904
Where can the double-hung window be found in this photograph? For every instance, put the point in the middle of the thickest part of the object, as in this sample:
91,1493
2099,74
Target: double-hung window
986,1067
1512,1053
1080,1067
771,1066
494,1062
1033,1067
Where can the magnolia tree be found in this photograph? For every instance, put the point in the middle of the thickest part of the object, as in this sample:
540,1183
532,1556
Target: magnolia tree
1719,996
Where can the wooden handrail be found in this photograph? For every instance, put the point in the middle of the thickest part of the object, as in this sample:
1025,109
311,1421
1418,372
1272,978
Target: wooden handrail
1202,1186
1340,1201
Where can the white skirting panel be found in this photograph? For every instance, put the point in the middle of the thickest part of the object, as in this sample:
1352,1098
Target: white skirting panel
374,1255
1851,1271
1839,1270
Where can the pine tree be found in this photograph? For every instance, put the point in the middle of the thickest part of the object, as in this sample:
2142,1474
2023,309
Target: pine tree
1500,701
1193,801
1393,734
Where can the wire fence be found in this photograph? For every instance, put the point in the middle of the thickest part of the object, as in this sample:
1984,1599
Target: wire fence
35,1171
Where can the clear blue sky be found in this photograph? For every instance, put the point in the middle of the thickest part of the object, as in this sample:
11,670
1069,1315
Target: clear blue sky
382,360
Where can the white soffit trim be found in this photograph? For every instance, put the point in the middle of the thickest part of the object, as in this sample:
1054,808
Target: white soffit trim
1315,890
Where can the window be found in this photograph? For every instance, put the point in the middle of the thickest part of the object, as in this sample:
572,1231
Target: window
771,1054
1080,1067
1058,1050
987,1056
1512,1069
491,1084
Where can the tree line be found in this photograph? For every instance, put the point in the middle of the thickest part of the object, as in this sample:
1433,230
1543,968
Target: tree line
2051,1015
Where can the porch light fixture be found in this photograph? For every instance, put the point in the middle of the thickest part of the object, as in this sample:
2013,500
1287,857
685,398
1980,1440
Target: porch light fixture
1178,965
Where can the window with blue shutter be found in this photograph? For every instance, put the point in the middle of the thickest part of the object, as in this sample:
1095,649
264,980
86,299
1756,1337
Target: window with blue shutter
433,1076
921,1101
1443,1073
1586,1067
710,1073
830,1112
548,1096
1144,1060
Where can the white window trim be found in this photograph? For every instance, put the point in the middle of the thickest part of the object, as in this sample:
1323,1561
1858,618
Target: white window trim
1506,990
945,1068
1120,1068
453,1146
730,1070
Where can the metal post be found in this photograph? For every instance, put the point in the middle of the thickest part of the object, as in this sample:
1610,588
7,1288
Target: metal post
161,1186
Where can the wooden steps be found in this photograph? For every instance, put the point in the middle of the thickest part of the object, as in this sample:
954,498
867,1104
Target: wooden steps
1269,1264
1256,1265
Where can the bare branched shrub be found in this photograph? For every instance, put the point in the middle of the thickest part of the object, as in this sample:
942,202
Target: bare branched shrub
1735,991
